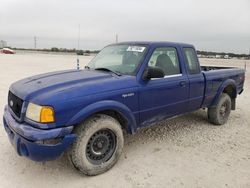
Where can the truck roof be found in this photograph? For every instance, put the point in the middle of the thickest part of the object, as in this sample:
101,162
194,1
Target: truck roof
156,43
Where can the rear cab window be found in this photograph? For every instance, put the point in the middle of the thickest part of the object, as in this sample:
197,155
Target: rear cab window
192,62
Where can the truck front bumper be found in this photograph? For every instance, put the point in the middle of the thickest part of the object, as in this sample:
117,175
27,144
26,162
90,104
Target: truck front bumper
28,141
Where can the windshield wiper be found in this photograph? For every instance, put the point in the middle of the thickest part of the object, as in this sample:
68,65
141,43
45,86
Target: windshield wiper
108,70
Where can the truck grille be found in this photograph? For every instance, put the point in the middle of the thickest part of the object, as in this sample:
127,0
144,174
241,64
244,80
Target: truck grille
15,103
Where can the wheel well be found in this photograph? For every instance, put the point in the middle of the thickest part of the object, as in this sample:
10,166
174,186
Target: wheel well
118,116
231,91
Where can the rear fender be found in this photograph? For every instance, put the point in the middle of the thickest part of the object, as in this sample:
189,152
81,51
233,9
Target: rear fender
226,83
102,106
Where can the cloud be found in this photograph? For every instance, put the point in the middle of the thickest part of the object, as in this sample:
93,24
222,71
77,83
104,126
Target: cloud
210,25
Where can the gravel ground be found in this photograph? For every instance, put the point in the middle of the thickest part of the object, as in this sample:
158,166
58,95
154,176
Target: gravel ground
185,151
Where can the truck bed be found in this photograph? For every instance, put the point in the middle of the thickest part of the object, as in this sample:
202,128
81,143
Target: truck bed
209,68
216,76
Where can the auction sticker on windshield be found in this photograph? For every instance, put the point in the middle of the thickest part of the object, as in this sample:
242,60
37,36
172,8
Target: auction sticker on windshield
136,49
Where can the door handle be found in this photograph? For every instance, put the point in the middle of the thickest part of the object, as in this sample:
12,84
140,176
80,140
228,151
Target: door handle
183,83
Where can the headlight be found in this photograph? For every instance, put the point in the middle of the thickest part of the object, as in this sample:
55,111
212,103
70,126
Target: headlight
42,114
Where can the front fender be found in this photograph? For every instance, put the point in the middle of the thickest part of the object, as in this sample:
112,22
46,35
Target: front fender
220,90
105,105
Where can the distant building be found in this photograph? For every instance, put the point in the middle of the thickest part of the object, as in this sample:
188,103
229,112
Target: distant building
3,44
210,56
218,56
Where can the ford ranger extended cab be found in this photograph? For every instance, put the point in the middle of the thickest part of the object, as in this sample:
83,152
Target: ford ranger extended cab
127,86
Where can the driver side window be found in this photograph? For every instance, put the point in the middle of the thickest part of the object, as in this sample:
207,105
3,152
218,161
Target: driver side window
166,59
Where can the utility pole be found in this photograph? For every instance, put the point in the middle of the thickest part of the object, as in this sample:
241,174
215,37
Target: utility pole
35,39
78,45
116,38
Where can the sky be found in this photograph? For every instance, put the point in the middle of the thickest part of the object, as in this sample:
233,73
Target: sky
211,25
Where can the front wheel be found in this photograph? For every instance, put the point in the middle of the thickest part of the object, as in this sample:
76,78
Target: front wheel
98,146
219,115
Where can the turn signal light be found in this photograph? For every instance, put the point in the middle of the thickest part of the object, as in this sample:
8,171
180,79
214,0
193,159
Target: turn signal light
47,115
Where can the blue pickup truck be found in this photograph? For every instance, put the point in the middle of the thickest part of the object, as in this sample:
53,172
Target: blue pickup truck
127,86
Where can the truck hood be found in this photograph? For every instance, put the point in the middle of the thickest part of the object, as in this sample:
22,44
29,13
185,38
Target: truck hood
41,87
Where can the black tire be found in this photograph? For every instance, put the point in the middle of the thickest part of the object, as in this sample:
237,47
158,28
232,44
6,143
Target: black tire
98,145
219,115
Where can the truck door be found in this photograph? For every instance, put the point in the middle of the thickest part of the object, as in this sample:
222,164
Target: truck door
196,79
164,97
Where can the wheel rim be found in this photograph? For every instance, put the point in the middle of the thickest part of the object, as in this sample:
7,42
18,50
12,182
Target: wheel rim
224,109
101,146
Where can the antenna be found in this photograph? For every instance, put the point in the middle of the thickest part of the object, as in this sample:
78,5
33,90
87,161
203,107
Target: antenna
78,43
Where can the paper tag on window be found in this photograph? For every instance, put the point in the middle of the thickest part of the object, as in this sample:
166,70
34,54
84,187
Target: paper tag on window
136,49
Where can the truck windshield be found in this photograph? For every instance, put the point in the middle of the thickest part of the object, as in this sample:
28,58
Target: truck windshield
122,59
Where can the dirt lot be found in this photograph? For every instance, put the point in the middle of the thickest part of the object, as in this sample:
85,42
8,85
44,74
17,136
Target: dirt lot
183,152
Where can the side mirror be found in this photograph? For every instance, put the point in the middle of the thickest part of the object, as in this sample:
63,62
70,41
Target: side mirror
152,72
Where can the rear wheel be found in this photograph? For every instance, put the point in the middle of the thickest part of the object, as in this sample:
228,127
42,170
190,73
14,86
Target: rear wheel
98,146
219,115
